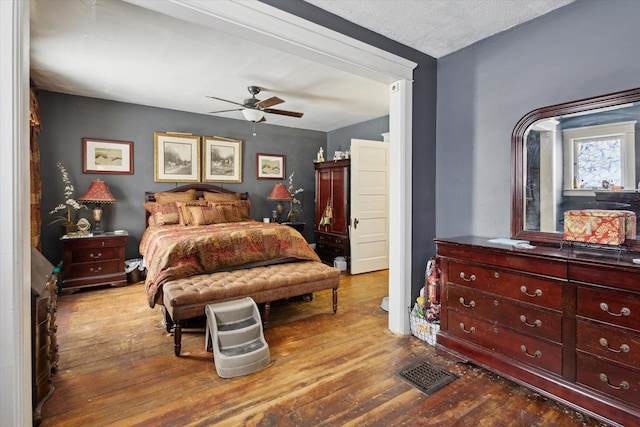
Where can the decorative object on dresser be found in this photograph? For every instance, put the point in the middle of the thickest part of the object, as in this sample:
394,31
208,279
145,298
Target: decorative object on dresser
332,198
94,260
44,345
280,194
98,193
565,322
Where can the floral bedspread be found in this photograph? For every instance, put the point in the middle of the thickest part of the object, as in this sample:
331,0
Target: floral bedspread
174,251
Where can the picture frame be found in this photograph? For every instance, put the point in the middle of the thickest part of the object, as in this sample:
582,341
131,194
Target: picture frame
270,166
107,156
176,157
222,159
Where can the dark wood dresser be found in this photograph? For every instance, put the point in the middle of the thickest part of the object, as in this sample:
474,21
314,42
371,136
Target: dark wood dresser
563,322
94,260
332,188
44,345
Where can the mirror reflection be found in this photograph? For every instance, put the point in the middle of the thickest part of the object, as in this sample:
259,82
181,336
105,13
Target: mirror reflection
582,160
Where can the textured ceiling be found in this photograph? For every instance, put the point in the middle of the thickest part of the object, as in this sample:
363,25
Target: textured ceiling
438,27
115,50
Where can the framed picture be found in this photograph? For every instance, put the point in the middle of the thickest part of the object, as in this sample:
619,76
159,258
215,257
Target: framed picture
106,156
269,166
222,159
177,157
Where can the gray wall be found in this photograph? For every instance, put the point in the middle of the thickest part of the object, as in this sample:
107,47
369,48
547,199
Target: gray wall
585,49
424,127
340,139
67,119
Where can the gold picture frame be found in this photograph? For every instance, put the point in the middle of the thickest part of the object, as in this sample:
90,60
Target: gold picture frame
221,160
176,157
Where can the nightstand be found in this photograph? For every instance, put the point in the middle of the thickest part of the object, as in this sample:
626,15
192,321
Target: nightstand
94,260
299,226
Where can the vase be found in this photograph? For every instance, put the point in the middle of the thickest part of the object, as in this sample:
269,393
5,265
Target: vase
69,228
291,216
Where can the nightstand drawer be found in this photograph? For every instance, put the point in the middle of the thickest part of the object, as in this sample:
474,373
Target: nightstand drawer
95,254
330,250
93,268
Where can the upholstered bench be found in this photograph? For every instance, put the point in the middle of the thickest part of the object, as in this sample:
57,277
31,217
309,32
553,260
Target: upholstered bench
186,298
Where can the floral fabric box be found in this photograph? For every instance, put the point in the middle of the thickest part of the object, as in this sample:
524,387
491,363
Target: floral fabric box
607,227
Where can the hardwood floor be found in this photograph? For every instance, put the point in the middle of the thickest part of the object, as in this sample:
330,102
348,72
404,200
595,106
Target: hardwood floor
117,368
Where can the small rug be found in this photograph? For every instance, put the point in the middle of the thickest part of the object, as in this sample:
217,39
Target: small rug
426,377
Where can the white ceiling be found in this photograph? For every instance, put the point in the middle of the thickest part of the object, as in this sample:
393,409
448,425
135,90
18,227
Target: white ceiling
114,50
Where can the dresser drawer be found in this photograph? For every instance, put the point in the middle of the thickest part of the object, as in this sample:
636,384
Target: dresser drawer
611,343
95,254
517,346
331,239
523,318
615,307
329,250
533,290
619,382
93,269
94,242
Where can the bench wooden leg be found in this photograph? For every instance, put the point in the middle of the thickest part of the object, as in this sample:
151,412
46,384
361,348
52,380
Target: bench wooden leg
177,338
265,316
168,321
335,300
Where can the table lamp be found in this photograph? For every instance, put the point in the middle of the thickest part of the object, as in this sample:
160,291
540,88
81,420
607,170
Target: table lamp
98,194
279,193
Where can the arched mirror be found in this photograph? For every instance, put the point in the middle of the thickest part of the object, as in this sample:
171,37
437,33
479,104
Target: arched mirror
579,155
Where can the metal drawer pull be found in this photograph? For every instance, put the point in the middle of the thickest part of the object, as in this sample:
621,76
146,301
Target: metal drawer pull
536,324
623,384
471,278
95,270
536,355
624,312
471,304
624,348
94,256
470,331
524,290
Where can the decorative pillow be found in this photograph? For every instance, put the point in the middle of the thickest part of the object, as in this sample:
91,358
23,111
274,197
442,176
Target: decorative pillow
167,197
236,211
183,213
204,215
220,197
162,213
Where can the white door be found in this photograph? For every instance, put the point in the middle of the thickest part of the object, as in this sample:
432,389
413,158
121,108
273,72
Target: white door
369,230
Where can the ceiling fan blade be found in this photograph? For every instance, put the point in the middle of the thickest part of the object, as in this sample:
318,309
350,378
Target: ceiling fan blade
283,112
225,100
225,111
263,119
269,102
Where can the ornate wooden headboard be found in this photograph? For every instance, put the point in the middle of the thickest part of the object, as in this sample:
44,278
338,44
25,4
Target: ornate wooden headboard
199,187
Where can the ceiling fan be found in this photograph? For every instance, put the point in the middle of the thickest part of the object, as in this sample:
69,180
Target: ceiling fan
253,109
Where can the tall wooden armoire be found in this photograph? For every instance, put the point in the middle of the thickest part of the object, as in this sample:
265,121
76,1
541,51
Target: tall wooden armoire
333,192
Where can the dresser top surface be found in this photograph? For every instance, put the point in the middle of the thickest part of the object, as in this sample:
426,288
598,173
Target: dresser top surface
568,251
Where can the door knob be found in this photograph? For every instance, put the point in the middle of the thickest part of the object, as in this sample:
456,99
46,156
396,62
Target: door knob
355,223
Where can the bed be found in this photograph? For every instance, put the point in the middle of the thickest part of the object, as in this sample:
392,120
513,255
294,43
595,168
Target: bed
197,234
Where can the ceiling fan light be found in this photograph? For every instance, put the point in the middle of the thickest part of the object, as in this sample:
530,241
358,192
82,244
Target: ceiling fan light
252,115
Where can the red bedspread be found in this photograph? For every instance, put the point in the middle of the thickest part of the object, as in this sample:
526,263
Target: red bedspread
173,252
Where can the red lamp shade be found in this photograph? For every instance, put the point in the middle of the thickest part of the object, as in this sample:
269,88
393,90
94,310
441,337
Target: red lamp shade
279,192
98,192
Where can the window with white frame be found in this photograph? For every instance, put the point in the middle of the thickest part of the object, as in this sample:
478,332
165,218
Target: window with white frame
599,156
